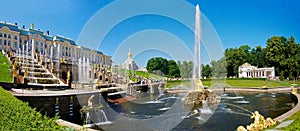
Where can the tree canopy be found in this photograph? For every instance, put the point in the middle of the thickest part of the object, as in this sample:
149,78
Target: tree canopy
280,52
161,66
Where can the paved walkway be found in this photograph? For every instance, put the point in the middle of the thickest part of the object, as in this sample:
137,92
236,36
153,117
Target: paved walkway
283,124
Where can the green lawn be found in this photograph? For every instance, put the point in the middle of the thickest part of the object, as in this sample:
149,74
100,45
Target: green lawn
238,83
295,126
5,75
143,75
148,75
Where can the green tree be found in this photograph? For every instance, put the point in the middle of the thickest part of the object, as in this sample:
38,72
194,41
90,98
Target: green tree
218,68
157,64
206,71
292,58
173,69
257,57
275,53
235,57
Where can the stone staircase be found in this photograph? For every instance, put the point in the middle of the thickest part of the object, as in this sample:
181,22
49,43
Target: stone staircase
38,77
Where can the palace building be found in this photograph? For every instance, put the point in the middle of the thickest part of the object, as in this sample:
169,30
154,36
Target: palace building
248,71
15,39
58,52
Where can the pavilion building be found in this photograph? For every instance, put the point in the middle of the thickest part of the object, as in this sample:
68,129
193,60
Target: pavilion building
248,71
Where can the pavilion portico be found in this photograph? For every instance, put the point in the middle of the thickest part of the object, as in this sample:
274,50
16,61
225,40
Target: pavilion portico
248,71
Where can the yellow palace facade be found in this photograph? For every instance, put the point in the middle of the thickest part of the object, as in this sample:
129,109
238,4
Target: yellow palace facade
15,39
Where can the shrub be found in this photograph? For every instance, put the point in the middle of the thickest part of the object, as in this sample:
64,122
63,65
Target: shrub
17,115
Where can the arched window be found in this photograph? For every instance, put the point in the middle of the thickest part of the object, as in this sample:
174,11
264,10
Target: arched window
16,37
4,42
0,34
9,43
9,36
4,35
25,41
0,41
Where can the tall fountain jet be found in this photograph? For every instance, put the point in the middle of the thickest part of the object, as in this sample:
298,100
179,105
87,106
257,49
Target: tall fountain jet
197,64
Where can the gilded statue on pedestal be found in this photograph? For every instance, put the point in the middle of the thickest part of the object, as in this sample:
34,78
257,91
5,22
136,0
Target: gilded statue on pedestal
259,123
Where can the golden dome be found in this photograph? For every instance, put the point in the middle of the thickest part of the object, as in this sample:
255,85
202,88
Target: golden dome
129,54
246,64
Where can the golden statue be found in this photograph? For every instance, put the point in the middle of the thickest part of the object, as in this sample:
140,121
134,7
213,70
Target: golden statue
16,63
90,101
43,58
34,54
14,70
259,123
294,90
61,60
57,101
6,48
97,82
11,54
241,128
197,84
264,86
26,73
52,67
71,99
69,75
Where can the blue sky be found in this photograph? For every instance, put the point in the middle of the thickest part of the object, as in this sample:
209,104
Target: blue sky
237,22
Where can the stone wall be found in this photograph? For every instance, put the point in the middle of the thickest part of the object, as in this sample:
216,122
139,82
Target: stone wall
46,105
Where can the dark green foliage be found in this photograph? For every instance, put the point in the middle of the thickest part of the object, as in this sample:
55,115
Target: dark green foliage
157,64
163,67
206,71
235,57
280,52
16,115
283,54
173,69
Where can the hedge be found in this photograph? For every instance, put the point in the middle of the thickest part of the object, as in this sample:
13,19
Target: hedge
17,115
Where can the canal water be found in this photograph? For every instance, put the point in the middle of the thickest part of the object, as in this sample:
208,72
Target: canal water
166,112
